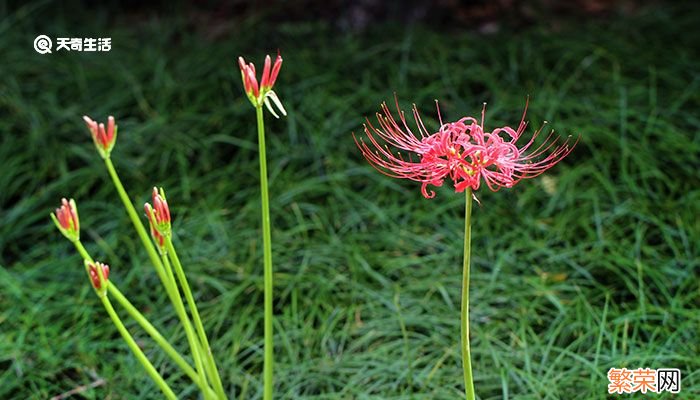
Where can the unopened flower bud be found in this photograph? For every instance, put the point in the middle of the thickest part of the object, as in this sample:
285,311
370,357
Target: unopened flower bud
94,274
158,217
262,93
66,220
104,138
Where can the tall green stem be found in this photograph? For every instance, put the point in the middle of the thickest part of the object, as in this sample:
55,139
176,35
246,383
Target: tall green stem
166,277
159,339
140,229
150,329
466,355
81,250
267,258
208,357
195,347
150,369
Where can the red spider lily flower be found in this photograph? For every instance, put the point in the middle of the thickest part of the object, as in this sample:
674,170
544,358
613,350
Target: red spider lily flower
104,138
94,274
66,220
158,217
263,93
460,151
495,157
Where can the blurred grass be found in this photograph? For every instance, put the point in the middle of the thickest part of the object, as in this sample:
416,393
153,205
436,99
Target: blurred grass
593,266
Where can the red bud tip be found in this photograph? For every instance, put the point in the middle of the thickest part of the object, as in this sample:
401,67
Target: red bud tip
92,125
103,137
160,204
67,216
152,224
265,79
110,129
253,82
94,277
275,70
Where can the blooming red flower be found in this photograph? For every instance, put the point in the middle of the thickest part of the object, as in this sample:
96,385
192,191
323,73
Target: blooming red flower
158,217
263,93
66,219
93,272
104,138
461,151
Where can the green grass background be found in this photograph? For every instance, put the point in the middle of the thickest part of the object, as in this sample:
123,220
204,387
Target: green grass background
593,266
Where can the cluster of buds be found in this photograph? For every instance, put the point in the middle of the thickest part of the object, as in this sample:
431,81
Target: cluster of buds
104,138
263,93
158,218
95,270
66,220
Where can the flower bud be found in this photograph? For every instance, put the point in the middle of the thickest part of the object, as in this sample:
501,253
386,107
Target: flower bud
94,274
157,237
104,138
262,93
66,220
158,217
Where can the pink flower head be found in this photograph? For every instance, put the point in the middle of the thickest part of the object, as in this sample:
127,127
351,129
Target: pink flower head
263,93
158,217
66,219
104,138
460,151
94,273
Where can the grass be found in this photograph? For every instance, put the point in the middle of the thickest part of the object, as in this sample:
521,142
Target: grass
593,266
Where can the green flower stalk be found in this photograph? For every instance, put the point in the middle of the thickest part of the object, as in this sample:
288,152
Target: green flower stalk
104,139
464,310
104,144
148,327
67,222
160,223
259,95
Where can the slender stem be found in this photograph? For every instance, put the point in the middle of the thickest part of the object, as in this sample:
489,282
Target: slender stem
466,355
140,229
210,365
158,338
167,279
267,257
189,331
150,369
150,329
81,249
